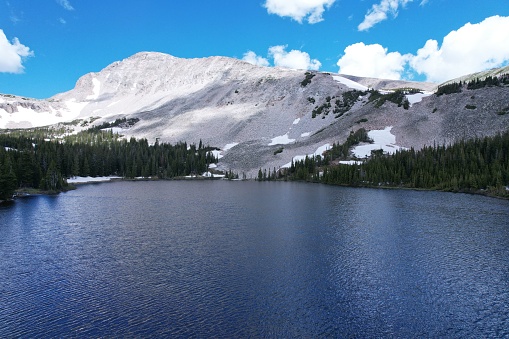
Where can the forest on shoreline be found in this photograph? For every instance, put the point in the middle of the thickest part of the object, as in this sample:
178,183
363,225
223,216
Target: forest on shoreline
32,161
479,166
35,163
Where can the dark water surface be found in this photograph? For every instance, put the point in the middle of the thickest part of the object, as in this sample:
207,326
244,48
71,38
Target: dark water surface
239,259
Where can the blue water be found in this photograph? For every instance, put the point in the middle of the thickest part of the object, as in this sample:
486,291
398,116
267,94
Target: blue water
248,259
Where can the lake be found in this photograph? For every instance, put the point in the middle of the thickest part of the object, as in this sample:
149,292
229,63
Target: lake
250,259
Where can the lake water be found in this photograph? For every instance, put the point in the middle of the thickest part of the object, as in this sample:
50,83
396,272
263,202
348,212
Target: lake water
249,259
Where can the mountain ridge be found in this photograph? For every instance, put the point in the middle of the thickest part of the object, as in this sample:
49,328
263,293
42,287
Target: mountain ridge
259,110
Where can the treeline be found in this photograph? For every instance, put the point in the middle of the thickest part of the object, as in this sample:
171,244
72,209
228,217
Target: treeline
308,169
122,122
398,97
342,151
478,165
454,87
27,162
307,79
457,87
348,99
488,82
341,105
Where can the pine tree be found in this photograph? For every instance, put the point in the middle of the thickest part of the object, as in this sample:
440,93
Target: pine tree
8,180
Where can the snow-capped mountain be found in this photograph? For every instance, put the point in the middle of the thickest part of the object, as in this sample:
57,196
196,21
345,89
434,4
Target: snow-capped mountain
250,112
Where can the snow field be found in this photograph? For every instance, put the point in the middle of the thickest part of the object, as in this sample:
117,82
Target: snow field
281,140
417,97
37,119
96,89
349,83
382,139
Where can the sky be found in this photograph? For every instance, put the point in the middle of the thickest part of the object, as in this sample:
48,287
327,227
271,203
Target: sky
46,45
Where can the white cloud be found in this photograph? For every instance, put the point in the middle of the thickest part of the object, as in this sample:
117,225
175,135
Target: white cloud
298,10
62,21
65,4
254,59
378,12
372,61
12,54
472,48
293,59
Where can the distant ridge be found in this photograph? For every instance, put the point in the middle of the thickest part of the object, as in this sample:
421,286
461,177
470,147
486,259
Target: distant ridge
479,75
387,84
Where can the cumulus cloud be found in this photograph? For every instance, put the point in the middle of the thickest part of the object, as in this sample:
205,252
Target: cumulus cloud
12,54
472,48
379,12
254,59
294,59
299,10
65,4
372,61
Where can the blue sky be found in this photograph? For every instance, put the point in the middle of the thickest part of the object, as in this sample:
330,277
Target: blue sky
46,45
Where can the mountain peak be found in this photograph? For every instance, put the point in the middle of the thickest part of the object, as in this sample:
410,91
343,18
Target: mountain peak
150,73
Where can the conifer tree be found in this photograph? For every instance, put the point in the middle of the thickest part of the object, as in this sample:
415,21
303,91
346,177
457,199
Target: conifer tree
8,180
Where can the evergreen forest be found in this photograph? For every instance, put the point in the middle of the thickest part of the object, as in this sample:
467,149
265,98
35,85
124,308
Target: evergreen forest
30,160
474,166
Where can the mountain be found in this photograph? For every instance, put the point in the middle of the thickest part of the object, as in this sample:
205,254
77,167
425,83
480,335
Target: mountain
259,117
494,72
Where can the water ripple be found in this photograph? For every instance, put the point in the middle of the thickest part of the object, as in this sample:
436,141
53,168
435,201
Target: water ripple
226,259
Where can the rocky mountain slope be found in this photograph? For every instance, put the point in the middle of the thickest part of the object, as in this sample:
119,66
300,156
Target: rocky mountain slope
259,117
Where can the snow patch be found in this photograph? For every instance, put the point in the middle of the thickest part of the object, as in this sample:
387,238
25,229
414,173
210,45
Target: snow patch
231,145
281,140
37,119
206,175
349,83
382,139
74,108
217,154
350,162
114,130
97,89
417,97
296,121
306,134
319,151
83,180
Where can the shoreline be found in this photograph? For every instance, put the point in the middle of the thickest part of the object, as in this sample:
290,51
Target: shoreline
29,192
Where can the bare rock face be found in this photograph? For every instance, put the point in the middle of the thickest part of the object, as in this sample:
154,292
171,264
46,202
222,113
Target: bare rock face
261,117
